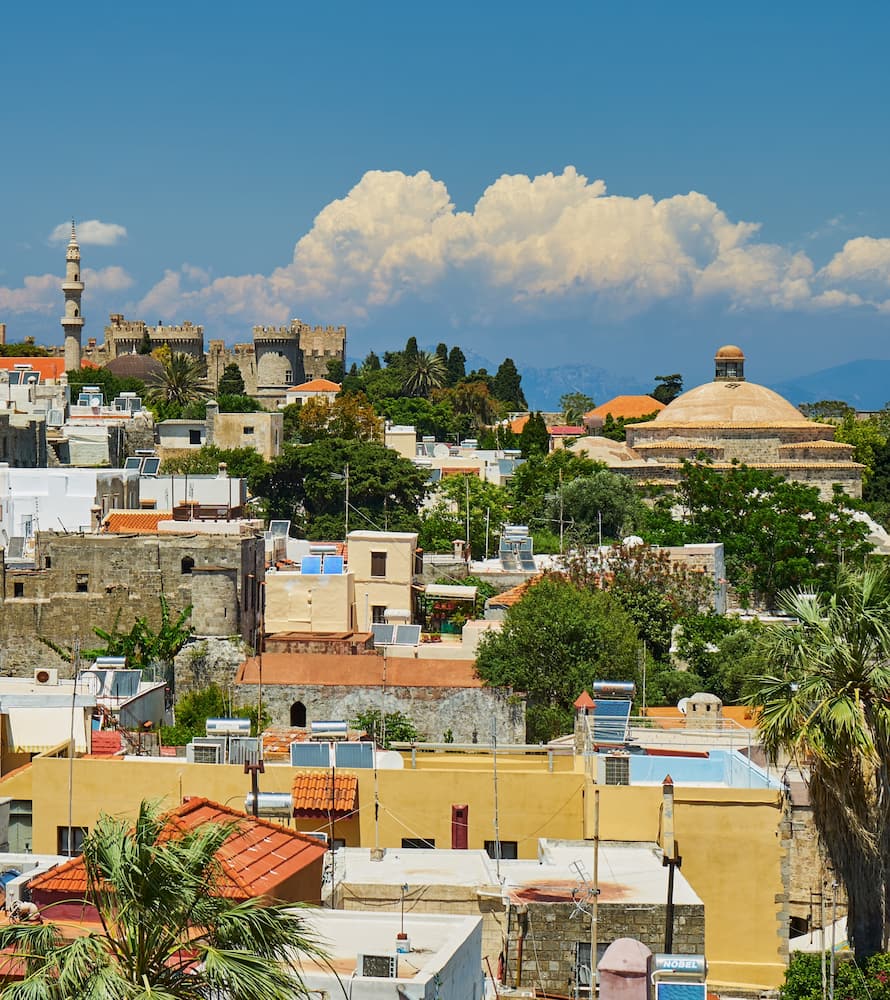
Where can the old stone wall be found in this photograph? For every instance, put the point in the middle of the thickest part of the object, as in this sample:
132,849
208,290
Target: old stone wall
207,661
97,580
552,931
22,440
467,712
809,872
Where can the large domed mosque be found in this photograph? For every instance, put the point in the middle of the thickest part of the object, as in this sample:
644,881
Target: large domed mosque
731,420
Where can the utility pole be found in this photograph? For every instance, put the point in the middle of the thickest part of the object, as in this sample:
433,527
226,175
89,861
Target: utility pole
670,859
346,478
595,908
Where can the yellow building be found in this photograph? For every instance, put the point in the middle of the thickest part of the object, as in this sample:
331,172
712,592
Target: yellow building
730,833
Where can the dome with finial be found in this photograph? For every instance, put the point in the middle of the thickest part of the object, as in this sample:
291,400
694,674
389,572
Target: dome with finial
729,352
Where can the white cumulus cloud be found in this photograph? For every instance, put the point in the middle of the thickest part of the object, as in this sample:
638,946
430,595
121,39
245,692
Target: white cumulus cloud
91,232
42,293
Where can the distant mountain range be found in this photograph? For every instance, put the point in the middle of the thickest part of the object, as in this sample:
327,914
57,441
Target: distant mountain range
544,386
864,384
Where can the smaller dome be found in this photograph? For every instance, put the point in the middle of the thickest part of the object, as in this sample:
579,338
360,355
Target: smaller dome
729,352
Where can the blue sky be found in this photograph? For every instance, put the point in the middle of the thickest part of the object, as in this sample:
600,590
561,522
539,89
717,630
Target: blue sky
621,185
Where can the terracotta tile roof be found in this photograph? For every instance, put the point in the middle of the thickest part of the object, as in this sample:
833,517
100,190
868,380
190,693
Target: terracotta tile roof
257,857
517,424
584,701
316,385
312,792
104,742
514,595
360,670
135,522
627,406
461,470
47,367
566,430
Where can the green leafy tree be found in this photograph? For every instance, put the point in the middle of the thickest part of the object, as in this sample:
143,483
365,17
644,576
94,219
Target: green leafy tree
555,643
423,372
241,463
428,417
442,352
180,381
654,591
826,704
826,409
613,427
167,929
457,365
231,381
667,387
233,404
535,489
336,370
866,436
574,405
507,385
445,519
602,502
110,384
347,417
399,727
26,349
776,534
145,344
196,707
534,438
306,485
473,401
371,363
411,349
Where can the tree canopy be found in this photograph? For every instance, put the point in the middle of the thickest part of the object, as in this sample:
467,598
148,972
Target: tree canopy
231,381
554,644
167,929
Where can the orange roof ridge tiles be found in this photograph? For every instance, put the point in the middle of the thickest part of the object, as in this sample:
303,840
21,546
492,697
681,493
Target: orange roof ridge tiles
316,385
627,406
584,700
246,870
312,792
514,595
135,522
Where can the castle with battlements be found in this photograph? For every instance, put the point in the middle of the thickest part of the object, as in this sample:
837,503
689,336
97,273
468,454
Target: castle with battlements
278,358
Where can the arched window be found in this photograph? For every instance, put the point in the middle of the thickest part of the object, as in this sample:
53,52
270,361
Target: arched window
298,714
76,311
187,565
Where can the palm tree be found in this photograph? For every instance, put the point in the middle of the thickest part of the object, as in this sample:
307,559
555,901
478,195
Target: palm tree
828,708
165,933
423,372
181,381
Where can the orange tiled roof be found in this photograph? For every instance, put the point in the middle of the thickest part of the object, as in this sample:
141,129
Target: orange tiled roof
584,701
135,522
514,595
362,670
47,367
517,424
312,792
627,406
316,385
257,857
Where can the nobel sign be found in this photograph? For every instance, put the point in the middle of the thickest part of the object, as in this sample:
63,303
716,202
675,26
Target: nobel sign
683,965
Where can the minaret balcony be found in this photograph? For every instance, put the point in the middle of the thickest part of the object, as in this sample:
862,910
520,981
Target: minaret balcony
71,321
72,286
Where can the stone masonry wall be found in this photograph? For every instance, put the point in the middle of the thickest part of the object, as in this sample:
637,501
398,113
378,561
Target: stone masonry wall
554,928
433,710
85,581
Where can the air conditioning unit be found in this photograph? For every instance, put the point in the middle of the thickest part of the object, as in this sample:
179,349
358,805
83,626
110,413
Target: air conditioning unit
385,966
46,676
614,769
204,753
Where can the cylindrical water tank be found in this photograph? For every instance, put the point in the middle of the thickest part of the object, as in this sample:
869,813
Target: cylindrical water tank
270,804
328,726
614,689
227,727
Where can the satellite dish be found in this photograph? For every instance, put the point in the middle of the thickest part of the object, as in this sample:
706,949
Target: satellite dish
632,541
441,451
681,705
95,401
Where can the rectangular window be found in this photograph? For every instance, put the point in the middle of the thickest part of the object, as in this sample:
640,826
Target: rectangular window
78,833
378,614
248,430
418,843
509,849
288,377
81,582
378,564
194,437
18,589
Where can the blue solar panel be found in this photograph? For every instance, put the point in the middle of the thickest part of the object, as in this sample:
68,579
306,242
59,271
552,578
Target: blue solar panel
680,991
310,564
354,754
333,565
610,720
310,755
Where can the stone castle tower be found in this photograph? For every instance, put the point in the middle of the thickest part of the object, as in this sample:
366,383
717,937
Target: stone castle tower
72,286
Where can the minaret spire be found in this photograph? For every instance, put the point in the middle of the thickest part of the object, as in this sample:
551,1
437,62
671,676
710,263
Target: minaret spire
72,287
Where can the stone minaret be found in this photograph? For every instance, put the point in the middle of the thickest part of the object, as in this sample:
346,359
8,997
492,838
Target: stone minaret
72,286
